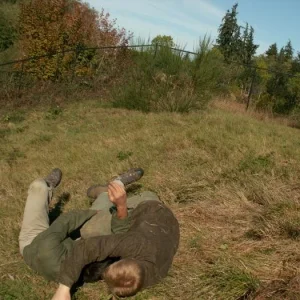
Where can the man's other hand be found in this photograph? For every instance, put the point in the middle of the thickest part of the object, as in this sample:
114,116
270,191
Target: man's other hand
62,293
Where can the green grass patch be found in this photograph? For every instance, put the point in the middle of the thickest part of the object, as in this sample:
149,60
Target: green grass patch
234,282
256,164
14,117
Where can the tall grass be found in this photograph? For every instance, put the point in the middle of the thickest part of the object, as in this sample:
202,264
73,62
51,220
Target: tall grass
163,79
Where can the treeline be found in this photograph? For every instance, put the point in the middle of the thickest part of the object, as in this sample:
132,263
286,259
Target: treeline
149,79
275,74
45,27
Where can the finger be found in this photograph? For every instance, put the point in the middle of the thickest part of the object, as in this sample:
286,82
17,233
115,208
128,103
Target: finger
113,186
111,195
119,189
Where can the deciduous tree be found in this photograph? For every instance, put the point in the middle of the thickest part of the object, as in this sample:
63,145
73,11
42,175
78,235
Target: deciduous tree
48,27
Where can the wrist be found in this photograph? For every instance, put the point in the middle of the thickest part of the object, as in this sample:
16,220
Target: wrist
122,212
121,206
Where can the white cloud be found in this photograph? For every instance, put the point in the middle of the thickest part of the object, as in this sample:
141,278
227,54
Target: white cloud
263,47
184,20
205,7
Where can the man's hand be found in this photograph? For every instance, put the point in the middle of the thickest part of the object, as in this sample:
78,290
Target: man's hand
117,195
62,293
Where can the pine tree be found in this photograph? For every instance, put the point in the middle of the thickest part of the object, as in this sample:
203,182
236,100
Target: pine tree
272,51
229,34
296,64
288,51
250,47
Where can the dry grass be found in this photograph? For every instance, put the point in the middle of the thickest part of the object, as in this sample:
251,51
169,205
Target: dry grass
232,181
240,108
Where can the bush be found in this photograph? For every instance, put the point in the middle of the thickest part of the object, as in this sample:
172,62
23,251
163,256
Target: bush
162,79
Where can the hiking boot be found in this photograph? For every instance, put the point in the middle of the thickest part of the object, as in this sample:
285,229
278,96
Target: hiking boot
130,176
126,178
54,178
95,190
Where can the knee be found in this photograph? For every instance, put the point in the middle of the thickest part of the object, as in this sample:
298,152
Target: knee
39,185
148,195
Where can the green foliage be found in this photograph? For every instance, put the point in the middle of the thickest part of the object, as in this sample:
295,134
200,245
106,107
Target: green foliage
229,34
163,40
248,47
7,33
240,283
288,51
256,164
166,80
15,117
8,24
272,51
16,289
53,113
123,155
279,89
234,45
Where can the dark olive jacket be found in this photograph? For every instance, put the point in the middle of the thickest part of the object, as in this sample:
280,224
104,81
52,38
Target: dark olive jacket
152,240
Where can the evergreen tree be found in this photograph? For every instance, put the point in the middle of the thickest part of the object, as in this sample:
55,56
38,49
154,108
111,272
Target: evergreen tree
296,64
229,34
272,51
249,48
288,51
281,55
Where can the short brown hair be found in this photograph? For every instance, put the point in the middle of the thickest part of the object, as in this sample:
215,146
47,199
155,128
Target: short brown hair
124,278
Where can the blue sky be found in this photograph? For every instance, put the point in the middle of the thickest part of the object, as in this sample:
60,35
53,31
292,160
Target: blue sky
187,20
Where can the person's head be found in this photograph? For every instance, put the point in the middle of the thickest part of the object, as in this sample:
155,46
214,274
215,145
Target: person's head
124,278
94,271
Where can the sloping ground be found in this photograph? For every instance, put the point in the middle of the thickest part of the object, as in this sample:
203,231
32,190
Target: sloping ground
232,181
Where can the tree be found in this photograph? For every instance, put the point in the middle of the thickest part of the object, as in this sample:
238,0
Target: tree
163,40
229,34
8,23
272,51
248,48
48,27
288,51
8,32
296,64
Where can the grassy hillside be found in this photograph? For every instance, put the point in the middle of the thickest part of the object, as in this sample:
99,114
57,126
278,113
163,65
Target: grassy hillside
232,181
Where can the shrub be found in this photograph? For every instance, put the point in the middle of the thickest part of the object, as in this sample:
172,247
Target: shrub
162,79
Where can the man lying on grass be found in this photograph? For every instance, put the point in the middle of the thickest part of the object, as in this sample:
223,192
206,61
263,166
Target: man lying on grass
137,255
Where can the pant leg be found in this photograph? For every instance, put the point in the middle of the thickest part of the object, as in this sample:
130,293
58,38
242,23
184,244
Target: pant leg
100,224
102,202
147,195
35,219
134,201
